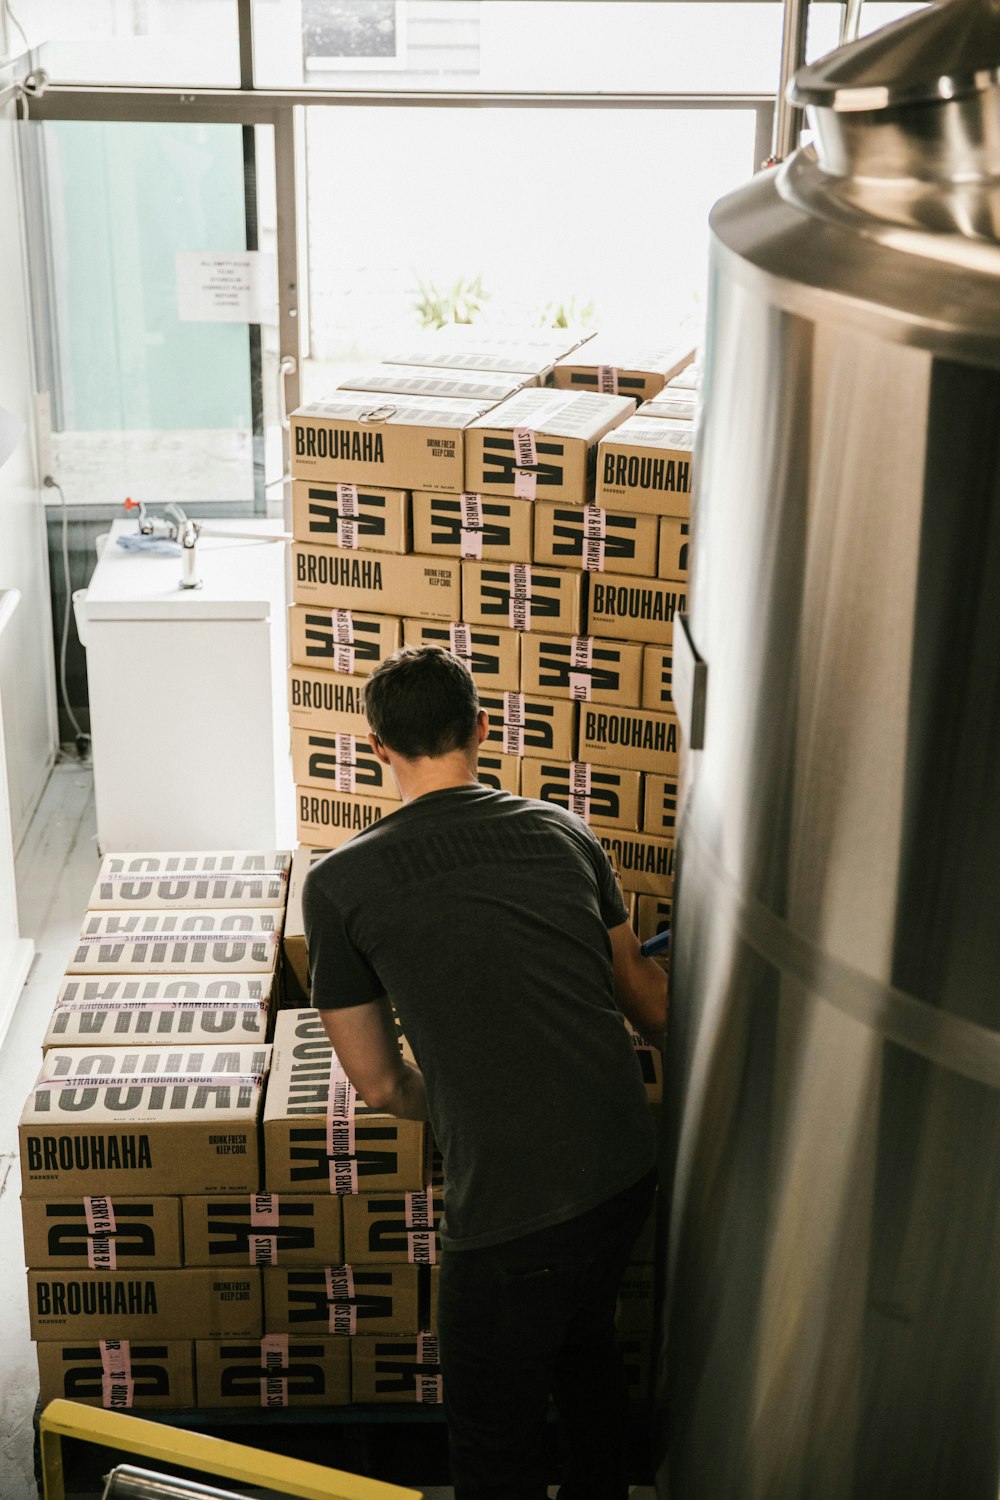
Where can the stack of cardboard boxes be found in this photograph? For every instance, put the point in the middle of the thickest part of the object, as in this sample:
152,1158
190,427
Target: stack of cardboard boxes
150,1093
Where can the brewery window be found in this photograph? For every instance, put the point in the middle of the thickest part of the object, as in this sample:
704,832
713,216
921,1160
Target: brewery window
341,35
187,42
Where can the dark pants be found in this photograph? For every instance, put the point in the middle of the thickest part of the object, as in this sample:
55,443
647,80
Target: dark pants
531,1318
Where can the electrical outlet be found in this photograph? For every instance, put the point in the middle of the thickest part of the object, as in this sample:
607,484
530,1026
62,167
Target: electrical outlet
43,433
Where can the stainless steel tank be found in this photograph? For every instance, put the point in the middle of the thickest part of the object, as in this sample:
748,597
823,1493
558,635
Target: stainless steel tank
832,1303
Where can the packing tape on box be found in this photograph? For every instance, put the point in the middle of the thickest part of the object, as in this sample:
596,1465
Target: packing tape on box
126,939
428,1388
343,626
595,530
150,1080
607,380
341,1145
347,534
519,610
100,1215
265,1214
342,1298
513,723
421,1239
581,681
117,1385
461,641
157,877
525,460
243,1002
472,525
579,787
274,1367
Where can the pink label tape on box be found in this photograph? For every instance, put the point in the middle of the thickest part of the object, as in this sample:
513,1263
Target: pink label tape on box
581,681
341,1144
274,1365
525,460
117,1384
340,1294
472,526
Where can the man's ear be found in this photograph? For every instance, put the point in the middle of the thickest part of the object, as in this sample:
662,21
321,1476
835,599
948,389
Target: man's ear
482,725
379,749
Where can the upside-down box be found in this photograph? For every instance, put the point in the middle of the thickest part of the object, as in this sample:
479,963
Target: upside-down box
391,1369
599,541
581,667
273,1372
351,1299
399,441
145,1304
492,655
614,369
640,739
207,941
659,805
262,1229
645,466
658,678
542,445
377,581
344,641
337,760
645,861
473,526
144,1121
481,386
523,596
351,517
602,795
191,1009
69,1232
635,609
521,724
385,1229
326,700
318,1136
205,879
118,1374
674,548
325,820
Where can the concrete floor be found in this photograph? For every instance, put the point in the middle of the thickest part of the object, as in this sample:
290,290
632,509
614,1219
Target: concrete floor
56,869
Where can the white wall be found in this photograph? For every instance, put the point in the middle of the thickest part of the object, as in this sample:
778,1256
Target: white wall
27,681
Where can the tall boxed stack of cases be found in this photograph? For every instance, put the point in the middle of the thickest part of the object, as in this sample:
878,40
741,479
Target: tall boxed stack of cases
539,531
151,1089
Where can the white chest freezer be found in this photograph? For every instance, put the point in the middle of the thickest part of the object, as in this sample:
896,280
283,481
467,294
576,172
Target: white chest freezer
189,723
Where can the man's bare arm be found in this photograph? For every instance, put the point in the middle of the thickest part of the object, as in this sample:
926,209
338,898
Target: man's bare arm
640,986
364,1039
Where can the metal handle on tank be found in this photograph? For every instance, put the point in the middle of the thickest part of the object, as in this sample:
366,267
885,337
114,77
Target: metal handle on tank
129,1483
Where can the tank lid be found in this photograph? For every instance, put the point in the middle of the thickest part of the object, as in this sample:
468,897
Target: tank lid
946,51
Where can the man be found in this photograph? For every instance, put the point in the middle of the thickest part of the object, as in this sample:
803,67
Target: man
495,926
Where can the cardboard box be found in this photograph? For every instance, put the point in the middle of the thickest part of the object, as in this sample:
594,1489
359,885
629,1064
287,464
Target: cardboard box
599,541
273,1372
147,1304
501,772
637,738
542,445
325,820
340,640
397,441
381,582
671,405
473,526
522,597
645,466
318,1136
616,369
229,939
658,678
528,359
351,1299
296,953
381,1229
351,517
481,386
326,700
674,547
634,609
492,655
653,915
224,878
195,1010
689,379
262,1229
118,1375
601,795
645,861
521,724
660,805
581,667
395,1370
101,1233
343,762
110,1132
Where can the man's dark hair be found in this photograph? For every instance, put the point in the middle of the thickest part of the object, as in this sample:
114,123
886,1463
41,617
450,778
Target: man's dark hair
422,701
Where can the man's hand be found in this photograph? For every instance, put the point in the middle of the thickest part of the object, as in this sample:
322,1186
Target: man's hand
364,1039
640,986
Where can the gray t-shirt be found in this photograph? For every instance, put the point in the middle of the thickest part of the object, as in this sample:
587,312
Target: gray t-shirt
484,917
